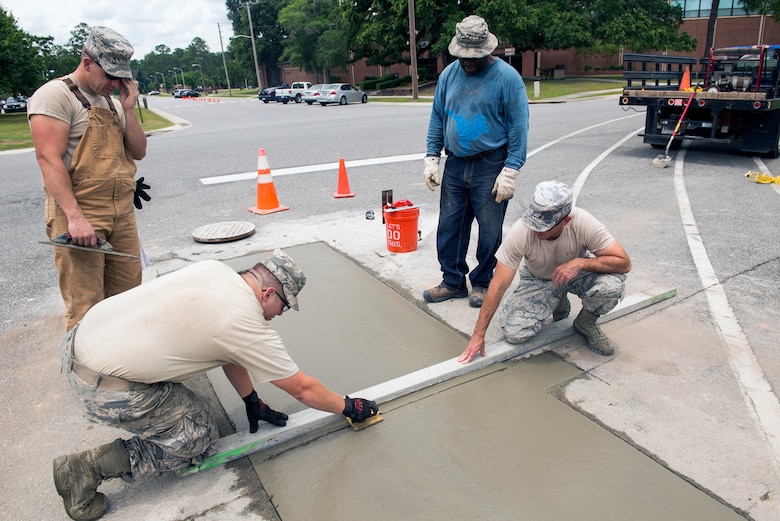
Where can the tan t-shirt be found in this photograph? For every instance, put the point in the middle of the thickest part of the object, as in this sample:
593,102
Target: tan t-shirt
170,328
54,99
581,236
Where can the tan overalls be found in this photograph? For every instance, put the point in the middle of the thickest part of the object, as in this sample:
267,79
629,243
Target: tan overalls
103,178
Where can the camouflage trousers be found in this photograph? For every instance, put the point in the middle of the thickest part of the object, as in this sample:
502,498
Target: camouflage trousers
525,310
173,428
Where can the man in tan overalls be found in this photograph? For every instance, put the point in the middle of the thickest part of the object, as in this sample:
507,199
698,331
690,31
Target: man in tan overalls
86,144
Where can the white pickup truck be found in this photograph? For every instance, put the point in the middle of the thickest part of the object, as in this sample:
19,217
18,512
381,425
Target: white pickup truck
294,93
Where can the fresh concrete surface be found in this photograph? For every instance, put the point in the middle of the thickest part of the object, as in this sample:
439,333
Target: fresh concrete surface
667,393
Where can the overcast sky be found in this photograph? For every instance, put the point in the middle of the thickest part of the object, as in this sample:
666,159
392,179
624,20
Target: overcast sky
146,23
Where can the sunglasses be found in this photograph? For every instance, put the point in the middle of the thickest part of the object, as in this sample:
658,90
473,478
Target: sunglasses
285,304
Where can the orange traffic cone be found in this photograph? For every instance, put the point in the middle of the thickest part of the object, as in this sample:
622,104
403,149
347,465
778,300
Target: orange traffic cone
685,82
343,187
267,202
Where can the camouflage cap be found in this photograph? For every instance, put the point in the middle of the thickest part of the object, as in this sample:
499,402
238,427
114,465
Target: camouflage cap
472,39
111,51
288,273
550,203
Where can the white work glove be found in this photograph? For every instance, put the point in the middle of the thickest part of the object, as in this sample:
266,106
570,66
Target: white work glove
432,177
505,184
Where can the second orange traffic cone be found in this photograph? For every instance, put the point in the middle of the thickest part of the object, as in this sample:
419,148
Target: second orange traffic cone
685,82
267,202
343,186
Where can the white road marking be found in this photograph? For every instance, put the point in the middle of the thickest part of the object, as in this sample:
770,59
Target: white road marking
311,168
758,395
580,181
230,178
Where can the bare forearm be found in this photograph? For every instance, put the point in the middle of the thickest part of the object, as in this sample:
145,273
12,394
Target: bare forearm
311,392
134,136
606,264
238,378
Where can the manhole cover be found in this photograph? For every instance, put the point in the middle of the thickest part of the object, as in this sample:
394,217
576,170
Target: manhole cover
223,232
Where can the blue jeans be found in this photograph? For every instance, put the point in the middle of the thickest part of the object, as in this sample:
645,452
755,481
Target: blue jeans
465,195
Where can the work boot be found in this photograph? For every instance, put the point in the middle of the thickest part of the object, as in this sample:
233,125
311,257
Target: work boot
561,311
477,296
441,293
77,477
585,325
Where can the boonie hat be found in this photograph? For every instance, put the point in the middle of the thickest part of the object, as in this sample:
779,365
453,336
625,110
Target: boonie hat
550,203
110,50
288,273
472,39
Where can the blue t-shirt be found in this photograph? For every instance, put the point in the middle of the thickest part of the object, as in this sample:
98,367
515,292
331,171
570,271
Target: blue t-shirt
479,113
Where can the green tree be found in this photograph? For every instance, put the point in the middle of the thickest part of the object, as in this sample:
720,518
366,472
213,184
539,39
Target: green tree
269,36
640,25
21,68
316,37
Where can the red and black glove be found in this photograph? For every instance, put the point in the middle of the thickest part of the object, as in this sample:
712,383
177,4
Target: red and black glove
256,410
359,409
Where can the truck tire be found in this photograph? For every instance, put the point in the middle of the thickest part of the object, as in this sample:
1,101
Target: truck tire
284,101
297,98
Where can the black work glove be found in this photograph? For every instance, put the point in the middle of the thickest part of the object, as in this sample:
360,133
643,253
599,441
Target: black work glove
140,193
359,409
256,410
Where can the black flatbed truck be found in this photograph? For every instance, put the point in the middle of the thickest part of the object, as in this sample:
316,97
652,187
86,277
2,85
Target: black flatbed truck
734,97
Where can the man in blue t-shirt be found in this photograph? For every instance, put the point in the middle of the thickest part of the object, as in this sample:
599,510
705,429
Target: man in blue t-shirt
480,119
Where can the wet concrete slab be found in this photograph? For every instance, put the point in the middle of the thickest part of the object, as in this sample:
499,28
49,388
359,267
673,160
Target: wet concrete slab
493,444
497,446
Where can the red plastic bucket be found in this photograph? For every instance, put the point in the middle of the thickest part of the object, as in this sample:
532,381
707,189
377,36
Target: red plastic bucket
401,229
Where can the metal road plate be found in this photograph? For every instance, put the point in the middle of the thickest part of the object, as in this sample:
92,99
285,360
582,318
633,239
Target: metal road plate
223,232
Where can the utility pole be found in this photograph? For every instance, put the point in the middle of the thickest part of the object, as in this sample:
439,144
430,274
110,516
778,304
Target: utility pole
413,49
254,49
224,63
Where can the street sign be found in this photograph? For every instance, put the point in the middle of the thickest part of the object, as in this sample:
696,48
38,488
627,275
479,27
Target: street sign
509,51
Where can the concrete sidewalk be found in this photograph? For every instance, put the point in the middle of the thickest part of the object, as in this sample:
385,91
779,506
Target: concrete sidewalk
667,393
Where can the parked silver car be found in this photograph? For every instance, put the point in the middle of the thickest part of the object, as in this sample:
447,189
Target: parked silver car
312,94
341,93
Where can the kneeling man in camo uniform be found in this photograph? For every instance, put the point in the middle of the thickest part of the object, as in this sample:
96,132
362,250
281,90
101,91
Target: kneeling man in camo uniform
556,249
128,357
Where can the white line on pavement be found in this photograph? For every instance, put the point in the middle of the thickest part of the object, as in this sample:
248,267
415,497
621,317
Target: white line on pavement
311,168
580,181
230,178
758,395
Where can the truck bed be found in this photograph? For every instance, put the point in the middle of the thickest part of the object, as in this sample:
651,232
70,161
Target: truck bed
745,96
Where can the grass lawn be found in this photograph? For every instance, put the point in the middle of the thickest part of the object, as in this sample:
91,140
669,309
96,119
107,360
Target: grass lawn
547,88
15,131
